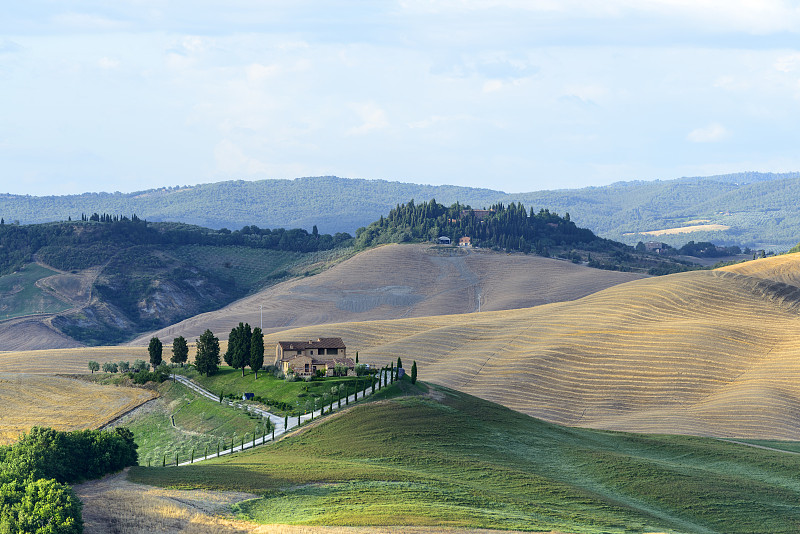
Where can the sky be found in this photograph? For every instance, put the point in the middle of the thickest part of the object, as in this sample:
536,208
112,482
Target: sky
505,94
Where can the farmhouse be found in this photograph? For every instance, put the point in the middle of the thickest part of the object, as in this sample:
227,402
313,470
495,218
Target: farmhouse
305,358
464,242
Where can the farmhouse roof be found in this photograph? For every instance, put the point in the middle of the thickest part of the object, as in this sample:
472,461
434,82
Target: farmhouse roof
320,343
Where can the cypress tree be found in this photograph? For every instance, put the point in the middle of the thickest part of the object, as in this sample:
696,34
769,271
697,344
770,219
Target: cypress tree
414,372
256,351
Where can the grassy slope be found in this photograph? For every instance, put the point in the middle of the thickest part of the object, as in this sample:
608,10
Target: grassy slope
20,296
199,422
230,381
445,458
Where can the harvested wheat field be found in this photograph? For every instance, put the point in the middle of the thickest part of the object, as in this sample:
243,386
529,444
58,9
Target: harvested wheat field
707,352
71,360
113,504
396,281
60,403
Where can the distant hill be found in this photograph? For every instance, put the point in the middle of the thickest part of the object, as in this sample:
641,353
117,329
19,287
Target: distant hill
397,281
756,210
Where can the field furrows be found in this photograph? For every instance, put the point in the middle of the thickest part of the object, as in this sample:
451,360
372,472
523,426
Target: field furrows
60,403
701,353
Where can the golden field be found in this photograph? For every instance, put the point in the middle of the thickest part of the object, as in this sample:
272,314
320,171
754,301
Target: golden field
705,352
60,403
685,230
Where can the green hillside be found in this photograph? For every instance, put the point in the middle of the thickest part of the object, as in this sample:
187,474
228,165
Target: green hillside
19,294
143,275
759,208
419,455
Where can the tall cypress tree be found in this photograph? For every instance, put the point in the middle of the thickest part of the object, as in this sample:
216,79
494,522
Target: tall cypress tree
256,350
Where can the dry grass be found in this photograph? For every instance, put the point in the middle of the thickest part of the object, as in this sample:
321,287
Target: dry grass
69,361
60,403
397,281
115,505
707,353
685,230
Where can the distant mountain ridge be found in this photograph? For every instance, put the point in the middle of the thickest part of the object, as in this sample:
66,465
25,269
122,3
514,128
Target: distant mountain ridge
759,209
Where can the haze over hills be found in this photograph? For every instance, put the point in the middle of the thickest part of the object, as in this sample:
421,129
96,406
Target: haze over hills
703,352
746,209
396,281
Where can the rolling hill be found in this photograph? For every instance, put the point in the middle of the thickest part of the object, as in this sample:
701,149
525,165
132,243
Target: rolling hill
745,209
430,456
396,281
704,352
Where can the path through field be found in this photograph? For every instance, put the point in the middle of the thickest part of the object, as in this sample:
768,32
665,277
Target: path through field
276,421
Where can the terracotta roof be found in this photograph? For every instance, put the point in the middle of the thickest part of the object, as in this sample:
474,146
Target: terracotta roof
320,343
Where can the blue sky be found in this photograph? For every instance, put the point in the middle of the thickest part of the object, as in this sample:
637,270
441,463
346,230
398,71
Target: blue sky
506,94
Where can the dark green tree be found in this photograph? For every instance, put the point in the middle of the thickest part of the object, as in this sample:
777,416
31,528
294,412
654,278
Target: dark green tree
207,359
154,349
180,350
256,350
238,353
414,372
93,366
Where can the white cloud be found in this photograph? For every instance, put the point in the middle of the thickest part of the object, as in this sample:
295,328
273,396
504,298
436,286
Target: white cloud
257,72
372,118
231,160
788,63
107,63
708,134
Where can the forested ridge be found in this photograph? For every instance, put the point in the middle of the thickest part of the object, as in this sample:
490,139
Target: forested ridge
512,228
759,208
93,240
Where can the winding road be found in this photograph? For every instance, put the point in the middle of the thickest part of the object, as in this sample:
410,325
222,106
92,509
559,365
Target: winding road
276,421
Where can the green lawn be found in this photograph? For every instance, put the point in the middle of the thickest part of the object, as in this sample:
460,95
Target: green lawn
296,394
444,458
20,296
199,423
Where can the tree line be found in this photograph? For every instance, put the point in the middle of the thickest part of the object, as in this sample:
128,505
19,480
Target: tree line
95,239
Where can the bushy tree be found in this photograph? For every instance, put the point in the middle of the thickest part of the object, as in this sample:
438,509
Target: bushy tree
110,367
180,350
39,506
207,359
155,349
140,365
124,367
93,366
256,351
